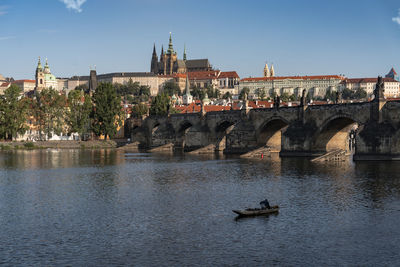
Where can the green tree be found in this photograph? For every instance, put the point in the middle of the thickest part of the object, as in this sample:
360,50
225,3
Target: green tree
227,95
360,94
285,97
217,93
108,115
139,109
82,87
347,93
198,93
78,115
330,95
13,113
160,105
49,112
172,88
245,91
260,93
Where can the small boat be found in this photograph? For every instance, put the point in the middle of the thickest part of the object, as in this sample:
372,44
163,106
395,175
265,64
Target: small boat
256,212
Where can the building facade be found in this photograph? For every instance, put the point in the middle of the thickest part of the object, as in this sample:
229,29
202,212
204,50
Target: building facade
26,85
390,85
317,86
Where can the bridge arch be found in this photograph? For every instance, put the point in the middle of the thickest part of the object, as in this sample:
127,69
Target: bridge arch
181,134
335,133
270,133
222,129
161,133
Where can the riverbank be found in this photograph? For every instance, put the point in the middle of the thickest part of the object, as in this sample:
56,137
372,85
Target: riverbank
93,144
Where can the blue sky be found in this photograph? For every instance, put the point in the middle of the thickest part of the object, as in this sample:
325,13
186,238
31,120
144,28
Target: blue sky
358,38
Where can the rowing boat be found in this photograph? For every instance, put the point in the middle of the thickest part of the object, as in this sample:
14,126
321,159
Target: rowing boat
257,212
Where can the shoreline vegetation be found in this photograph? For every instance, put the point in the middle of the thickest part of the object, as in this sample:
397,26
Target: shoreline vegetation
93,144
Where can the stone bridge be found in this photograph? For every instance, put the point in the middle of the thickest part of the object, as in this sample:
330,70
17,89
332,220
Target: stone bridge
305,130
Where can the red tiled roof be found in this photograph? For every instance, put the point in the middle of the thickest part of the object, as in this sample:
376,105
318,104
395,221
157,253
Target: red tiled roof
203,75
318,77
193,107
228,74
6,84
24,81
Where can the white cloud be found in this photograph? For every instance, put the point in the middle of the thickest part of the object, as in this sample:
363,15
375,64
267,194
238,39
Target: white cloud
397,19
6,38
74,4
3,10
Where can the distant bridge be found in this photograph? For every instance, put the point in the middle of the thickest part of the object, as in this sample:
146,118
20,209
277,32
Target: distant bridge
305,130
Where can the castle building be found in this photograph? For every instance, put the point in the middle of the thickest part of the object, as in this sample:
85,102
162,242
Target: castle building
169,64
44,78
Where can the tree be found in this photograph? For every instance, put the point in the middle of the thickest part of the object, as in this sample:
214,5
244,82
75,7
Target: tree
172,88
140,109
78,116
360,94
285,97
82,87
330,95
261,93
13,113
245,91
160,105
48,111
347,93
227,95
108,115
198,93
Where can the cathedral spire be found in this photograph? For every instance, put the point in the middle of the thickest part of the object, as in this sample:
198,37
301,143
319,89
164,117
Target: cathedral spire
162,50
170,45
184,53
154,50
154,61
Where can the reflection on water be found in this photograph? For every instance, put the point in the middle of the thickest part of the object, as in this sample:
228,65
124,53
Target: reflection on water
108,207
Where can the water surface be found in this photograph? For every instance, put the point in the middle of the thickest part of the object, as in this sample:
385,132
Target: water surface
107,207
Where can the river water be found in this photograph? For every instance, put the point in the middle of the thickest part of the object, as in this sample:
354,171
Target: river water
102,208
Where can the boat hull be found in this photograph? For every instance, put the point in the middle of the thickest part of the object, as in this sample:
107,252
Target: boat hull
256,212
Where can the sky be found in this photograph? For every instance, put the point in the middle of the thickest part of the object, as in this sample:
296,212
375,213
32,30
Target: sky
356,38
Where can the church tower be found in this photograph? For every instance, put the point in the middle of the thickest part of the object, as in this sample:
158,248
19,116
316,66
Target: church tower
266,71
272,71
39,77
154,61
184,53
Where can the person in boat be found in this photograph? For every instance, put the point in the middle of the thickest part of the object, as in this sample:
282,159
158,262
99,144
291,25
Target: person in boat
265,204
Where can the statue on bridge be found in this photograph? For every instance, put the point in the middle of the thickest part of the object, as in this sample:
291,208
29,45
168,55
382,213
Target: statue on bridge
339,97
303,99
379,91
277,101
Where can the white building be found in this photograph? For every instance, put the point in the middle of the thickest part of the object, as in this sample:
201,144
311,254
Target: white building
317,86
391,86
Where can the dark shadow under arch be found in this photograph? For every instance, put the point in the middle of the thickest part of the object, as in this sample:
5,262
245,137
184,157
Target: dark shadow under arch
270,134
334,134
